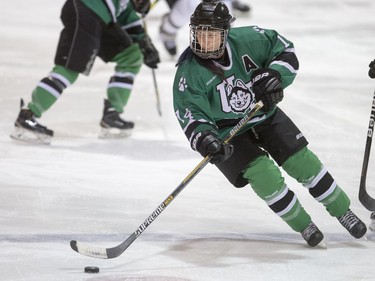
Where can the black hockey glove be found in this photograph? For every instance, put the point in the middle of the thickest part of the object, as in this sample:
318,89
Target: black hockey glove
209,144
150,54
371,71
267,87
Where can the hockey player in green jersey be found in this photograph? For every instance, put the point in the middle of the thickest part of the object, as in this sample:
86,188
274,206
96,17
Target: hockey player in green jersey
219,77
111,30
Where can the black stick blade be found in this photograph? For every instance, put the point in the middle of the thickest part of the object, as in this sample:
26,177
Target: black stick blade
367,201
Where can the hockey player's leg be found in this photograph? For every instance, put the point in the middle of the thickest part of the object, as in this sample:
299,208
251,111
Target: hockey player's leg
173,21
50,88
120,85
168,33
128,64
307,169
46,93
266,180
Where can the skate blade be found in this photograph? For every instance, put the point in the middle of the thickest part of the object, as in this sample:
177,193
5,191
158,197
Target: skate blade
25,136
364,238
321,245
114,133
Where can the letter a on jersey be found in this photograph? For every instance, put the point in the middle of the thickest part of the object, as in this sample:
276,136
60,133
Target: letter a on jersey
248,64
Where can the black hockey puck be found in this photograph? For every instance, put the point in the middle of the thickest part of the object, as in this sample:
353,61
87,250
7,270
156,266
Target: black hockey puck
91,269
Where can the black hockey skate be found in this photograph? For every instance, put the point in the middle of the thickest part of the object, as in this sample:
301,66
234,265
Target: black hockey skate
113,126
353,224
169,40
27,129
312,235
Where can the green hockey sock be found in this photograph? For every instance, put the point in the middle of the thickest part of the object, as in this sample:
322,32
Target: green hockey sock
128,64
50,88
307,169
266,180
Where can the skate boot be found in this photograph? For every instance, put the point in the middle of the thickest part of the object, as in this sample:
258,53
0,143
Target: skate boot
353,224
27,129
240,8
372,224
112,125
169,39
312,235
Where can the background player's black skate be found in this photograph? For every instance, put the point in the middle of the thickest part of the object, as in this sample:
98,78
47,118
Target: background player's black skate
27,129
112,125
353,224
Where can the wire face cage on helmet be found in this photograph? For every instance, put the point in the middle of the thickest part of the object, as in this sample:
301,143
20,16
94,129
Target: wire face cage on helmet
209,28
208,42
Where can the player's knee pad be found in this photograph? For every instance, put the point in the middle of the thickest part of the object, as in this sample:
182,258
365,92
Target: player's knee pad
264,177
64,75
302,165
129,60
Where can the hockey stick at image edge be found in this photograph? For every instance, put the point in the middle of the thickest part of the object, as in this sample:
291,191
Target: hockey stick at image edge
367,201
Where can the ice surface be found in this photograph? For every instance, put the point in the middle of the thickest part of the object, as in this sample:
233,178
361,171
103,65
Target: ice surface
97,191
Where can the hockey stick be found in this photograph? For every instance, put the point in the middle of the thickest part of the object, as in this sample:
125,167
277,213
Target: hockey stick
367,201
109,253
158,105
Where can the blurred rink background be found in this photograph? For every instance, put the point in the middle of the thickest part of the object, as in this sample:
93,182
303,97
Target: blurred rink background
99,191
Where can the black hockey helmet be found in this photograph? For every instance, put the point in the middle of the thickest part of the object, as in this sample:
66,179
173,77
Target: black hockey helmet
210,15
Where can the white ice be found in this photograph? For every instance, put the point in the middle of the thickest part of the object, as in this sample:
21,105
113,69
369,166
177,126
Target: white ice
99,191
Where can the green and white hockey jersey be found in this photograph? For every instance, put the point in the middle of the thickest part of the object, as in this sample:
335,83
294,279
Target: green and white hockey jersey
121,12
109,10
203,101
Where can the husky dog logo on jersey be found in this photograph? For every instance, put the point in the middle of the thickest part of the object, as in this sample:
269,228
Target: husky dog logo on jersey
239,97
235,97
